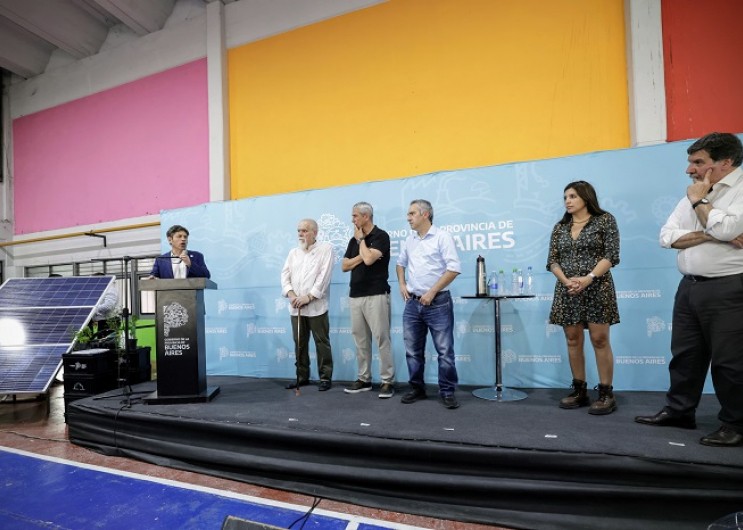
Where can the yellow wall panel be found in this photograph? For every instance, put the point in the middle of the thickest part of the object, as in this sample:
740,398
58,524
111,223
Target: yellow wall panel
414,86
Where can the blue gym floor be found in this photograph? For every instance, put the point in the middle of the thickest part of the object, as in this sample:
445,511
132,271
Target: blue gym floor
49,493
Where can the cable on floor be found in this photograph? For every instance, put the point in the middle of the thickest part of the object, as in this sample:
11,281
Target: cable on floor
30,437
305,517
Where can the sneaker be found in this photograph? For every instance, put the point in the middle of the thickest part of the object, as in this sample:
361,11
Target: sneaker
358,386
450,402
387,390
414,395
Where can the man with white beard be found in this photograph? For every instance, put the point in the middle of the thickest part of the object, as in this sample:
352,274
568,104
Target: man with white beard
305,280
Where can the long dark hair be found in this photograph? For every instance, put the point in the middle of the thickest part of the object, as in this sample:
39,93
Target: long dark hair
586,192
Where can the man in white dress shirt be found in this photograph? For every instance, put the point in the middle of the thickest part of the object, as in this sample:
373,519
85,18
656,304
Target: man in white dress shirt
706,229
305,280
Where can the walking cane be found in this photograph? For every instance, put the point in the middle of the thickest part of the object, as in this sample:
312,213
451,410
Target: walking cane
299,323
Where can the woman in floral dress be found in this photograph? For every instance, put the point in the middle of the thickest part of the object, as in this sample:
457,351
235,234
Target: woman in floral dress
583,248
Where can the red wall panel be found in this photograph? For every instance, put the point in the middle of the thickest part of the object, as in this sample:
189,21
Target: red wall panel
703,55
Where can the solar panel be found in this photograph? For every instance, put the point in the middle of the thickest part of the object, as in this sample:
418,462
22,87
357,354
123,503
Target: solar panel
29,368
78,291
39,318
43,326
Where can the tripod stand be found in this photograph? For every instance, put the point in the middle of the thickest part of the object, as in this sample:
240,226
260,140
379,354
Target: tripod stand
123,345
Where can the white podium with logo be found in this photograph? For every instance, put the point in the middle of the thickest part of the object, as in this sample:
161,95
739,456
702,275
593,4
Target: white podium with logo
181,341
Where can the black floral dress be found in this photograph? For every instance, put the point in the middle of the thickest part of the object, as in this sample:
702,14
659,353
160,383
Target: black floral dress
597,304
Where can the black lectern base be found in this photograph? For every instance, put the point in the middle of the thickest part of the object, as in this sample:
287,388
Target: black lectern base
204,397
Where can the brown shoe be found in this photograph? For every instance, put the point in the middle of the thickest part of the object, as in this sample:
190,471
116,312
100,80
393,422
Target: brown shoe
605,404
577,398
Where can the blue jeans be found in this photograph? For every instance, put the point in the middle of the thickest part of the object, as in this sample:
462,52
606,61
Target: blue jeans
438,318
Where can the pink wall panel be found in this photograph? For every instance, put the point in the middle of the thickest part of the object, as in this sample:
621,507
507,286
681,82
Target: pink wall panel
130,151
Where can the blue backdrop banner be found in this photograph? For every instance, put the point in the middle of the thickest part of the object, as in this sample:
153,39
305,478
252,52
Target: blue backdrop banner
504,213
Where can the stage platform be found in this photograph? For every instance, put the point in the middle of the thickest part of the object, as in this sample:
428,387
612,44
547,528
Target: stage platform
524,464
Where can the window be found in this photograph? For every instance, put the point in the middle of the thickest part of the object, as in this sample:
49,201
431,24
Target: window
145,302
45,271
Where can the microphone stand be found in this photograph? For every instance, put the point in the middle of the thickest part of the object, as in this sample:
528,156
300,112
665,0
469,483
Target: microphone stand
124,381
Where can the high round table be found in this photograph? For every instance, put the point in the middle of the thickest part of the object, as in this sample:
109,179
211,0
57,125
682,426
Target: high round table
499,392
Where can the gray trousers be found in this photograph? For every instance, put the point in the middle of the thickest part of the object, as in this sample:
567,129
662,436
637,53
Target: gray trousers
371,317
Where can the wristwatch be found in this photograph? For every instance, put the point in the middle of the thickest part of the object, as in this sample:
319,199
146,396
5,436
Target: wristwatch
592,275
700,201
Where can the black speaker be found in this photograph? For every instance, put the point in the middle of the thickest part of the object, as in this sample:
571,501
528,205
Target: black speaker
235,523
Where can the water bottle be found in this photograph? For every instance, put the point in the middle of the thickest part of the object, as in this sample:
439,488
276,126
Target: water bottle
520,276
493,284
514,281
529,281
502,288
481,278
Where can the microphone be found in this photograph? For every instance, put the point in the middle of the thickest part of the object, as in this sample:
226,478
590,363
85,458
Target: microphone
171,258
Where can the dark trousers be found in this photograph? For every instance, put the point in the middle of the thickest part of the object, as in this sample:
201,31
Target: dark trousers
708,329
320,328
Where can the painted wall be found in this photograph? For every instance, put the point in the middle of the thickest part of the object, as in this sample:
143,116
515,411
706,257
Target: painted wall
125,152
413,86
702,47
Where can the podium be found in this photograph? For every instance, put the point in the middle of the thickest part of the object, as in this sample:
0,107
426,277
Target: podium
181,341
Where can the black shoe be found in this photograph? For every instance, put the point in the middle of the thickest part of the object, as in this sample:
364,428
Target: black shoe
296,384
450,402
414,395
666,419
324,385
723,437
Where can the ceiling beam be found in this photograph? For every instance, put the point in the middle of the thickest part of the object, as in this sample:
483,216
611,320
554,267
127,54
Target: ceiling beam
63,24
141,16
21,52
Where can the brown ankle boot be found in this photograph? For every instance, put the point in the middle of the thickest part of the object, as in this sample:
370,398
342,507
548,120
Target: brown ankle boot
605,404
577,398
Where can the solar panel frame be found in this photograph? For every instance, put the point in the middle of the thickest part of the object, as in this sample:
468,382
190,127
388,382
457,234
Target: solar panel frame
50,311
53,292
